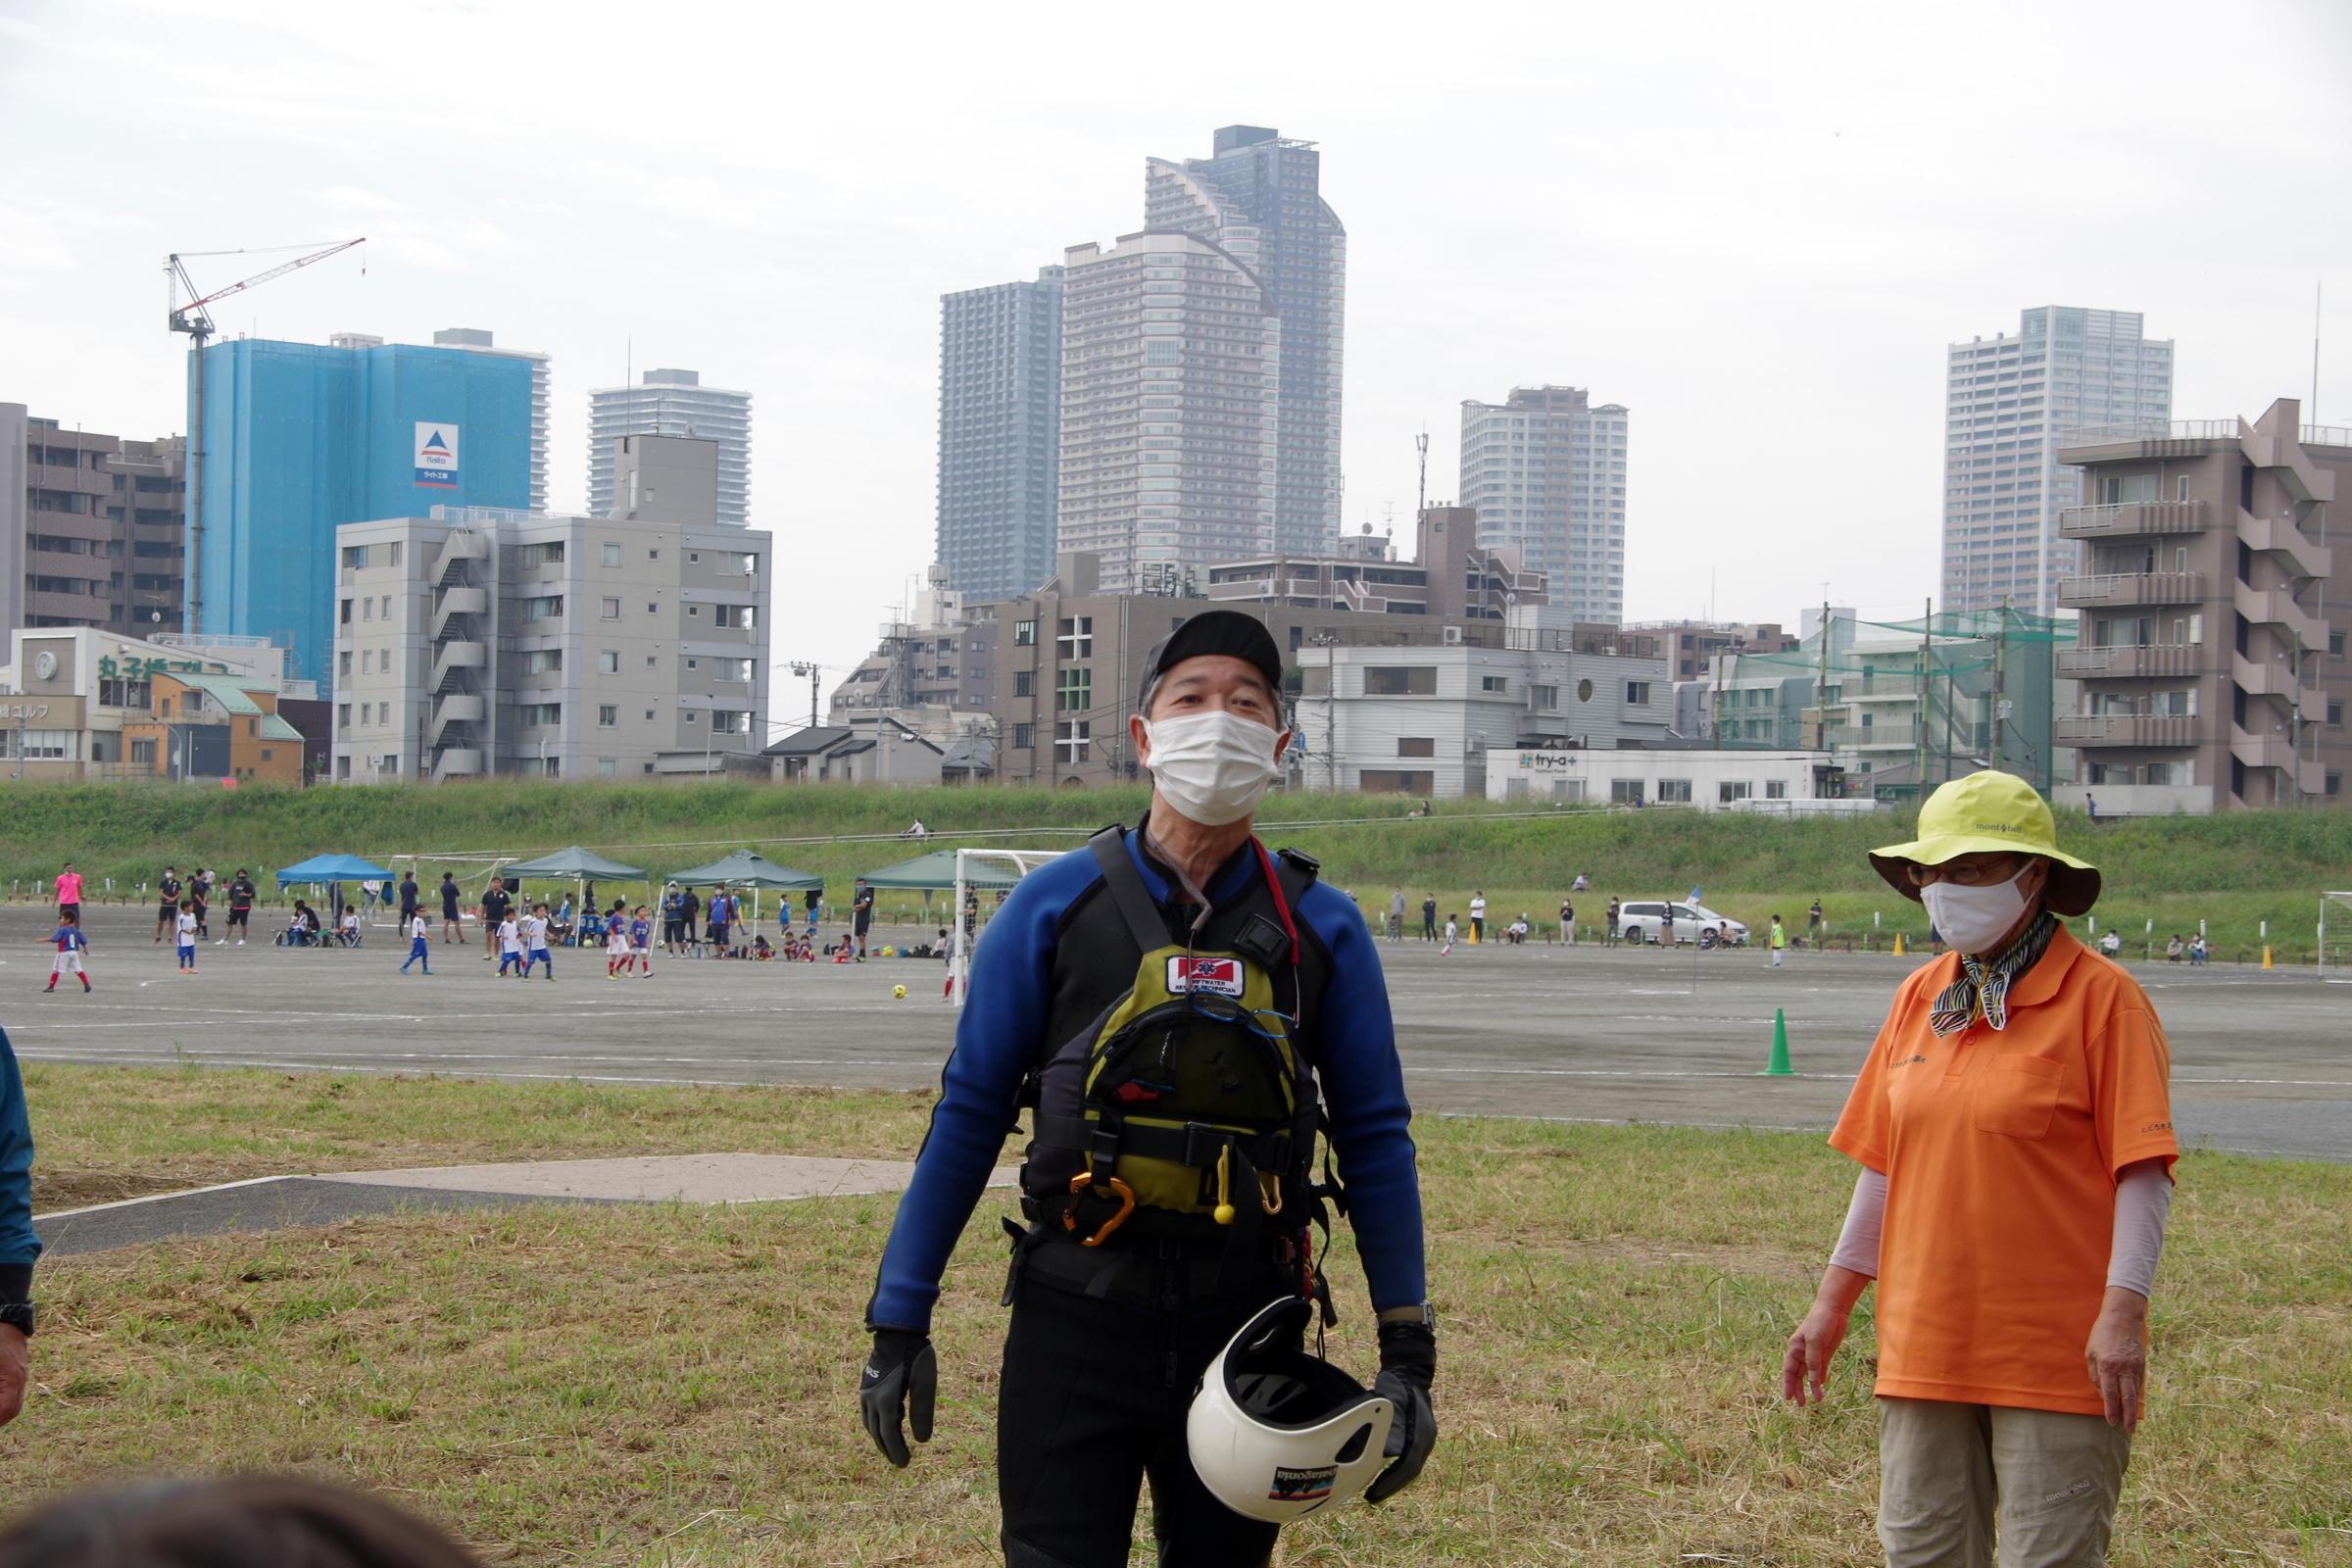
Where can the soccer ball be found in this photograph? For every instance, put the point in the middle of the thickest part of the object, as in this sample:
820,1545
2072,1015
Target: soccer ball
898,991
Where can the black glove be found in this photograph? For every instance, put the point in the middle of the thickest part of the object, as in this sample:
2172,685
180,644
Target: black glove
1408,1361
901,1379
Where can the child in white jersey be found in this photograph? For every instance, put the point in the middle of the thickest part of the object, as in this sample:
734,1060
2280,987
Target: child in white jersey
510,945
417,948
534,931
185,926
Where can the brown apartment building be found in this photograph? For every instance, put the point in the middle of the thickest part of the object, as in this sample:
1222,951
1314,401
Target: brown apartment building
2211,653
91,529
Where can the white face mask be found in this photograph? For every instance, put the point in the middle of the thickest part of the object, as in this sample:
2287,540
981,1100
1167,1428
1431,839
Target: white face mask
1973,920
1211,767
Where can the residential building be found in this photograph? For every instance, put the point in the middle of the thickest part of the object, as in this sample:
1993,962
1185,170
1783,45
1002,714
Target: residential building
91,532
302,439
1000,434
473,340
1258,197
2210,652
1546,472
1452,576
871,753
1799,783
2009,401
1690,644
1171,408
664,478
479,641
674,403
85,705
932,671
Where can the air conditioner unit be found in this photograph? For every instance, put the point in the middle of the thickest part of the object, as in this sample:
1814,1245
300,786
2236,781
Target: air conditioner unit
376,759
1453,636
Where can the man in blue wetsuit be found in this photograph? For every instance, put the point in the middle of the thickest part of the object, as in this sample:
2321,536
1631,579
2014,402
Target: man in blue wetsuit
19,1246
1118,1300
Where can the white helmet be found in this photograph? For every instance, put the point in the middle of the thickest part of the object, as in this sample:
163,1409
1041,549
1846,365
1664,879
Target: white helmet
1275,1433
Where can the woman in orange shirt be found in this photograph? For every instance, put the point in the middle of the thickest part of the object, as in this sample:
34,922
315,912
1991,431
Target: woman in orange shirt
2014,1125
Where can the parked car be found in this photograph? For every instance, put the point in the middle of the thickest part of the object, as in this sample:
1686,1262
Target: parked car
1640,922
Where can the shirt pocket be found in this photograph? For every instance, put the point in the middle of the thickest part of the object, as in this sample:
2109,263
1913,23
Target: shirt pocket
2017,1097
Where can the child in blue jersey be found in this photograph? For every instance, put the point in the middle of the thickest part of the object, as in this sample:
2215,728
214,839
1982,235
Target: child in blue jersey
416,947
641,941
534,930
71,945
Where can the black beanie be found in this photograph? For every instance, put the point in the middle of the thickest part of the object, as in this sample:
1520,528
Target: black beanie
1218,631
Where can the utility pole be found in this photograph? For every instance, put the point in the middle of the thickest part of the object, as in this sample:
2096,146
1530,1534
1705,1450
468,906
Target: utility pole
1926,637
2000,687
1820,690
803,670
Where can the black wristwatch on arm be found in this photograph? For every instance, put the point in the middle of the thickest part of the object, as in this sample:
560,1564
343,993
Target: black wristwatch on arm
18,1315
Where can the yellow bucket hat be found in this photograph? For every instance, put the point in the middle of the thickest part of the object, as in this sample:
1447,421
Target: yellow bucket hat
1990,812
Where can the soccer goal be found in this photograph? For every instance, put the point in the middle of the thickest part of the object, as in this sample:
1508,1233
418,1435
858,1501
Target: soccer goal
2335,951
977,869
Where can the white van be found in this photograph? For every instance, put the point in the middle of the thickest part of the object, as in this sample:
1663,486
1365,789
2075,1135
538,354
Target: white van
1640,923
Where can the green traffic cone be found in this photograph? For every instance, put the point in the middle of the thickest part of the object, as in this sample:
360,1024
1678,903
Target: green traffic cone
1780,1068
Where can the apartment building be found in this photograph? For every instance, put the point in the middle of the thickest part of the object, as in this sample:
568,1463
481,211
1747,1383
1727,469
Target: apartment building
479,642
2009,400
1000,434
1546,472
673,402
91,527
1690,644
2210,654
1452,576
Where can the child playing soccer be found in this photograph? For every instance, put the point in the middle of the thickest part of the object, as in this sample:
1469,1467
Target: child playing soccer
616,947
1452,930
534,928
71,945
509,947
185,925
641,941
417,948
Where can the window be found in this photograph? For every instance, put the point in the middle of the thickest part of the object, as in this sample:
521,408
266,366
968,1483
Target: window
2335,715
1074,690
123,693
1383,781
343,663
1776,789
611,554
741,618
1025,683
2335,645
1417,745
1637,694
2159,774
342,713
367,661
607,766
1496,684
542,661
1024,737
1548,699
549,553
730,721
1625,791
608,717
737,563
355,555
143,751
694,609
731,669
1024,634
395,552
609,609
345,615
1077,637
1732,789
535,715
366,609
1401,680
547,607
607,662
1072,743
1673,789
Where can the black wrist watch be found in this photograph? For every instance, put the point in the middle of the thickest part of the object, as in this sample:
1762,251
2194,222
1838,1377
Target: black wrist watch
18,1315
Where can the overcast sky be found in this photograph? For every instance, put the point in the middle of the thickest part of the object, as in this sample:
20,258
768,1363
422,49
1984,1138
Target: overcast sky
1756,226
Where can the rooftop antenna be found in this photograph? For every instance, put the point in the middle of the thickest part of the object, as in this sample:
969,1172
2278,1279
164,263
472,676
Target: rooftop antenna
2316,287
1421,491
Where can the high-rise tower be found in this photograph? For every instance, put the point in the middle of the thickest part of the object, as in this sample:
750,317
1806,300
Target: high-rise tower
2008,402
674,403
1546,471
1000,432
1258,197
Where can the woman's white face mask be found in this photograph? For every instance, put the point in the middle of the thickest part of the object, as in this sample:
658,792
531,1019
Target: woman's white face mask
1211,767
1973,920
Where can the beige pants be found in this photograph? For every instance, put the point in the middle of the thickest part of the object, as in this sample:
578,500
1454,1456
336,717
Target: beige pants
1948,1472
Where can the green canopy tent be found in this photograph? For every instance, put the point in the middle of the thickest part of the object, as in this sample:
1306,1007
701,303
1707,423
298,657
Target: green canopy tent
937,872
746,869
577,867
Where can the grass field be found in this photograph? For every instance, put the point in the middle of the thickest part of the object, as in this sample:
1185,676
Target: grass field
2234,872
674,1386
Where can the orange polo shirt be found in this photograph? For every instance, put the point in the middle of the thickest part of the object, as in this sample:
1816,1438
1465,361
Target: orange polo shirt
2000,1149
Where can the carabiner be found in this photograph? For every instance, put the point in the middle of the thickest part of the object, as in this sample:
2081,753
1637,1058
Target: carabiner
1069,1220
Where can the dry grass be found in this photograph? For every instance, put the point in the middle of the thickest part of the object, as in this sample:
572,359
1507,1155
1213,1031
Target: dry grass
674,1386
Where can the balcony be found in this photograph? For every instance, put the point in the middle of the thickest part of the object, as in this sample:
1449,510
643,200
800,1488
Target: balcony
2128,729
2133,518
2276,606
2281,536
2129,663
2147,432
2120,589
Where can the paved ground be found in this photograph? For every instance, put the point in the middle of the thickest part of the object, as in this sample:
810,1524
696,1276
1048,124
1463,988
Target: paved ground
2262,1062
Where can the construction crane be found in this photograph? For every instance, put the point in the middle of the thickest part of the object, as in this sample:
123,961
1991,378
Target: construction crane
193,319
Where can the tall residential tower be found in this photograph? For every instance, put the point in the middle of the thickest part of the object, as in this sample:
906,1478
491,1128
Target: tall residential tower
1258,197
1546,471
1000,434
2008,402
674,403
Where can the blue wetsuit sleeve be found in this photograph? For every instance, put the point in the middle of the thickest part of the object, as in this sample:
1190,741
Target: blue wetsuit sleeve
1363,1090
19,1246
996,1039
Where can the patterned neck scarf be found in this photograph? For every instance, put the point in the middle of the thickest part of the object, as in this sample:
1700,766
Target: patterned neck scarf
1986,985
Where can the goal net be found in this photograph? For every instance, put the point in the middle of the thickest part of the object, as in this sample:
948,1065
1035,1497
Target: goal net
2335,938
993,872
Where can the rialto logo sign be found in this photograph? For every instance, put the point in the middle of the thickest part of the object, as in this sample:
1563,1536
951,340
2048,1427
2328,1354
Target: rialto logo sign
437,456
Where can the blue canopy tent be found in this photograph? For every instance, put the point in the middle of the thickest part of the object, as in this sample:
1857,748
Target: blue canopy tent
332,871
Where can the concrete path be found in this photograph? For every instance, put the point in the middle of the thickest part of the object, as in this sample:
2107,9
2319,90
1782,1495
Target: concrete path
274,1202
